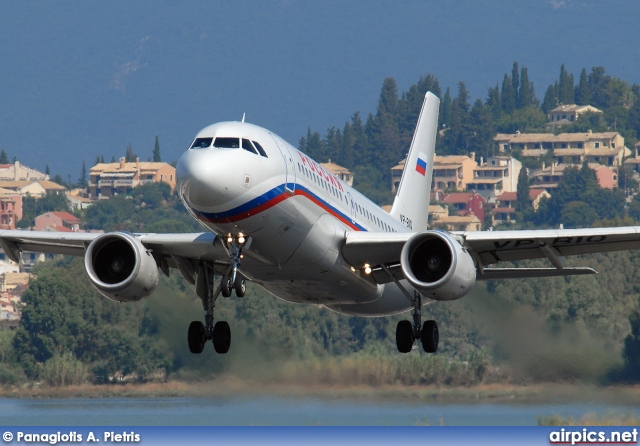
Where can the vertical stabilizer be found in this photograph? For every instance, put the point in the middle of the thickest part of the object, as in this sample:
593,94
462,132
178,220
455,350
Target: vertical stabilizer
411,205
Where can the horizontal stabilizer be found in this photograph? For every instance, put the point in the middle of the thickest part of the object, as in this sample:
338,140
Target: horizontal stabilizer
526,273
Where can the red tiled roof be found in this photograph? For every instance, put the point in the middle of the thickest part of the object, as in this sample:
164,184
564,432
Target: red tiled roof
66,216
533,193
507,196
458,197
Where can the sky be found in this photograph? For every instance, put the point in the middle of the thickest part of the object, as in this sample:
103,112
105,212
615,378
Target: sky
79,79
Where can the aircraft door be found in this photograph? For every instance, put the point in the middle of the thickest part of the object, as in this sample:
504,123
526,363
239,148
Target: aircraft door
289,165
353,207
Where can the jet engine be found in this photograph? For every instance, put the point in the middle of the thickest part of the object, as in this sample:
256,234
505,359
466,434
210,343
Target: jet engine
120,267
437,265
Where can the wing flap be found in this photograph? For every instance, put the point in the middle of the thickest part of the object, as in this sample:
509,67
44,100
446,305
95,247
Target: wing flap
497,246
527,273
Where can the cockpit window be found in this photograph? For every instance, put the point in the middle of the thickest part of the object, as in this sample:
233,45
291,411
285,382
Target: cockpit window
246,145
201,143
260,149
227,143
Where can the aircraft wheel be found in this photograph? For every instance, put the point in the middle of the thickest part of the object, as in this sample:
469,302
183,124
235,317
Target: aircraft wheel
430,336
227,286
196,337
240,286
221,337
404,336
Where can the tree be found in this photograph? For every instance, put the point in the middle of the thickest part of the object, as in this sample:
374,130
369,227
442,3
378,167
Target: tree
446,109
156,151
582,90
130,157
515,83
526,95
64,314
523,201
82,181
46,170
631,350
566,92
508,95
494,103
598,87
4,159
550,100
481,129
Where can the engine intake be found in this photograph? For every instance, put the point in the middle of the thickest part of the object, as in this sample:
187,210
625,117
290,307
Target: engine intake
120,267
437,266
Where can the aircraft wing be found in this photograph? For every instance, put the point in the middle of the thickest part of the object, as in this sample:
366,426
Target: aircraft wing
181,251
492,247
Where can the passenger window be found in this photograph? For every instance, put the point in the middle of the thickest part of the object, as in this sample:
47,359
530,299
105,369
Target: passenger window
246,145
227,143
260,149
201,143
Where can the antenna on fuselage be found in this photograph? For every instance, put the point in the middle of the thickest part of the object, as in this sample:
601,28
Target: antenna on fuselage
243,117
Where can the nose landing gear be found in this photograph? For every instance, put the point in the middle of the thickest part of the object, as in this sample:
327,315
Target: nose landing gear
232,280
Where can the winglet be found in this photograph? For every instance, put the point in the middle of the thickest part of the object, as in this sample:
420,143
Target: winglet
411,205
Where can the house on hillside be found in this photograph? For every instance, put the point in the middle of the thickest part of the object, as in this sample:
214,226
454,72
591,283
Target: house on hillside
18,172
339,172
110,179
465,204
57,221
605,148
459,223
548,177
568,114
499,174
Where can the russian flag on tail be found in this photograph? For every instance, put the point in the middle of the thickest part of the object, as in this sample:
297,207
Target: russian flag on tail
421,164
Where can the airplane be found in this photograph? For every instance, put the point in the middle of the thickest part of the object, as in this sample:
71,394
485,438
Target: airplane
276,217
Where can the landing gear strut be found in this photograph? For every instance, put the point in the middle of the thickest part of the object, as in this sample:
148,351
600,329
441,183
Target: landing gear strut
200,333
220,333
407,332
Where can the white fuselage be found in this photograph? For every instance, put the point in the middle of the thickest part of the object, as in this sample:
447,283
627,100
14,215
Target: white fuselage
295,212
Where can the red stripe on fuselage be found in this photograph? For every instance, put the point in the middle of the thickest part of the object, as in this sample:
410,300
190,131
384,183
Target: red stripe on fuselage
273,202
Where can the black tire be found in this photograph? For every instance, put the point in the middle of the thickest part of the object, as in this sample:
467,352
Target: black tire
404,336
430,336
196,337
240,286
227,286
221,337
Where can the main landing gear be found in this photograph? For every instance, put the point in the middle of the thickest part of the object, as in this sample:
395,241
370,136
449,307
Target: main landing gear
220,333
407,333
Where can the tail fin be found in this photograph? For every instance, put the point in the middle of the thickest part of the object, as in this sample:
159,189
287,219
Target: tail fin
411,205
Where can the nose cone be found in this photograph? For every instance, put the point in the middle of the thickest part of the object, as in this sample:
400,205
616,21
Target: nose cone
201,179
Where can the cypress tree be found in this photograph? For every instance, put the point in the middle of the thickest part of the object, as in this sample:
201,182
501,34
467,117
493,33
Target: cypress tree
582,90
523,203
494,103
82,181
526,95
156,152
508,95
4,159
566,93
550,100
130,157
515,82
446,109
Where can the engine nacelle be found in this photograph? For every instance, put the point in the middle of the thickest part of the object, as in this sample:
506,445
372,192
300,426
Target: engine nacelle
120,267
437,266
